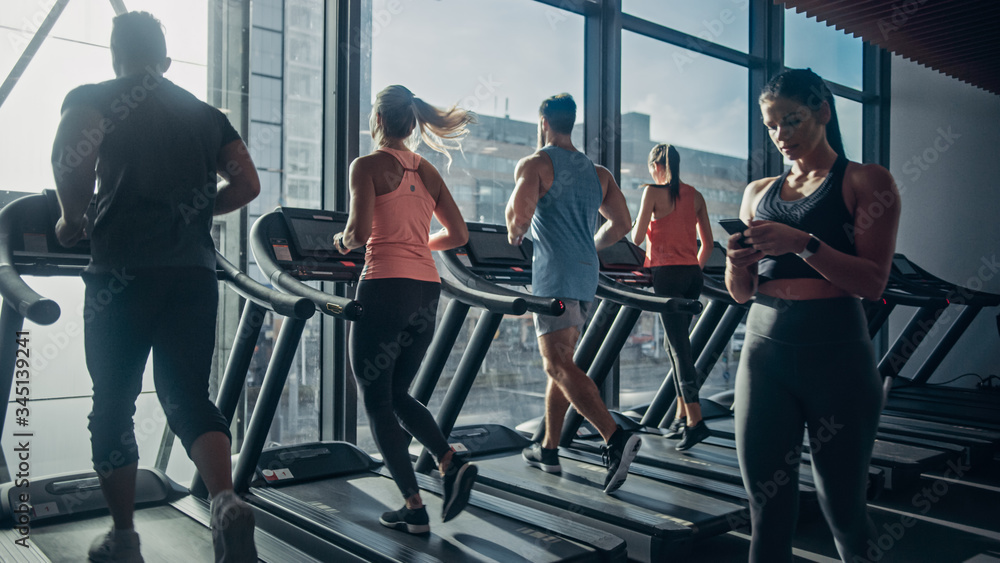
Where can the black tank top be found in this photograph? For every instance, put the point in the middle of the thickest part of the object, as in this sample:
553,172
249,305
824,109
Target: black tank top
821,213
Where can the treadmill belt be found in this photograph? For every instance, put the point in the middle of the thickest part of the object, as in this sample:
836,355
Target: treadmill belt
159,527
655,507
475,535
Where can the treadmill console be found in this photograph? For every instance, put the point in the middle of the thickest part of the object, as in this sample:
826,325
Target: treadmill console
488,254
34,246
302,244
624,263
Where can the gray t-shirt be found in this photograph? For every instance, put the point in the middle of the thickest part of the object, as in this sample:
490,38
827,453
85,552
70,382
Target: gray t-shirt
156,173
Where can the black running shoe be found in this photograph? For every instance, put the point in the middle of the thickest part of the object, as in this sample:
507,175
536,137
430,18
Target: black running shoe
543,458
458,481
693,435
407,520
676,429
618,456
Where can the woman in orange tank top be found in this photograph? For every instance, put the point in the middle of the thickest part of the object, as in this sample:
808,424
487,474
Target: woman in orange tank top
673,216
394,194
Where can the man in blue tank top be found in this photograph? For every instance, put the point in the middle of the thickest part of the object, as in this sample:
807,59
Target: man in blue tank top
558,195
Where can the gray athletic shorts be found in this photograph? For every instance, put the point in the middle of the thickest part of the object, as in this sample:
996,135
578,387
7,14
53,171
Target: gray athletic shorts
576,314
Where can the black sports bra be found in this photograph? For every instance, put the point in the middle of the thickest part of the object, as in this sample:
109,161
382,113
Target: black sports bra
821,213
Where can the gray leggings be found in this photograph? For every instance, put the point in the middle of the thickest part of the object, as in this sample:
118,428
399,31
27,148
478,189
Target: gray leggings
806,362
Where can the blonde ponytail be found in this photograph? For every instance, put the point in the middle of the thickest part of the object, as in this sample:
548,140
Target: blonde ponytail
403,113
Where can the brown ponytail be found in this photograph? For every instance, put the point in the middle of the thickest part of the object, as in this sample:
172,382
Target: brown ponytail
668,157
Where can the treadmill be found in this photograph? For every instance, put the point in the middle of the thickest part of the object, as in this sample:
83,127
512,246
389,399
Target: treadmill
60,515
336,491
897,461
915,397
657,520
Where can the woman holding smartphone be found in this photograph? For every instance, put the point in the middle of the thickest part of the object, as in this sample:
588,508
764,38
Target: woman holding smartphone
394,194
670,215
813,249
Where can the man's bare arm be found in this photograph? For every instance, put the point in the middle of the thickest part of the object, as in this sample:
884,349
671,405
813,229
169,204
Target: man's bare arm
614,208
75,169
524,200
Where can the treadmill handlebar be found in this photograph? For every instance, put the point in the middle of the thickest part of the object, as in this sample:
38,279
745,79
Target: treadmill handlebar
333,305
944,289
900,297
612,291
541,305
283,304
717,291
15,292
501,304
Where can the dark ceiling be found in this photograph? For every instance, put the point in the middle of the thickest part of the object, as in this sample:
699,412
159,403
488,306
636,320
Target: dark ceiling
960,38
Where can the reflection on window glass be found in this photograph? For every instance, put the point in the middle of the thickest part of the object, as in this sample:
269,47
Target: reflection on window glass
830,52
286,119
482,65
701,108
849,116
726,22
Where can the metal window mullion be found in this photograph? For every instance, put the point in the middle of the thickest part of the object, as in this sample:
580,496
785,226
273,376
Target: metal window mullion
602,86
875,111
341,95
685,40
767,58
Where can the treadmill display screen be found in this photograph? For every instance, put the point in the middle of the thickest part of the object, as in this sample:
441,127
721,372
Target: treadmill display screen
313,236
493,248
619,256
904,267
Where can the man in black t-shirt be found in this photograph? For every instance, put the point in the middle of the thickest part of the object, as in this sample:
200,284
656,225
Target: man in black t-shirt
154,151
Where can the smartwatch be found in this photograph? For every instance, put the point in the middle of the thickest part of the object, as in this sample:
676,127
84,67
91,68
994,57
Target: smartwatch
812,247
339,243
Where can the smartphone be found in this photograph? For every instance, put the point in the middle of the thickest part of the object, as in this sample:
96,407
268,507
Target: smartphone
734,227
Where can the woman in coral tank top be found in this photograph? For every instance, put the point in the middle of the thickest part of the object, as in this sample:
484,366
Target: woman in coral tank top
672,217
394,195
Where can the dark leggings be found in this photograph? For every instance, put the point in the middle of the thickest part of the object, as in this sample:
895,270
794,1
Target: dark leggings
806,362
686,282
387,346
128,313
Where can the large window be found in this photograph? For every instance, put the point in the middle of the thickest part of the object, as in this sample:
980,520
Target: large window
726,22
831,53
286,143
